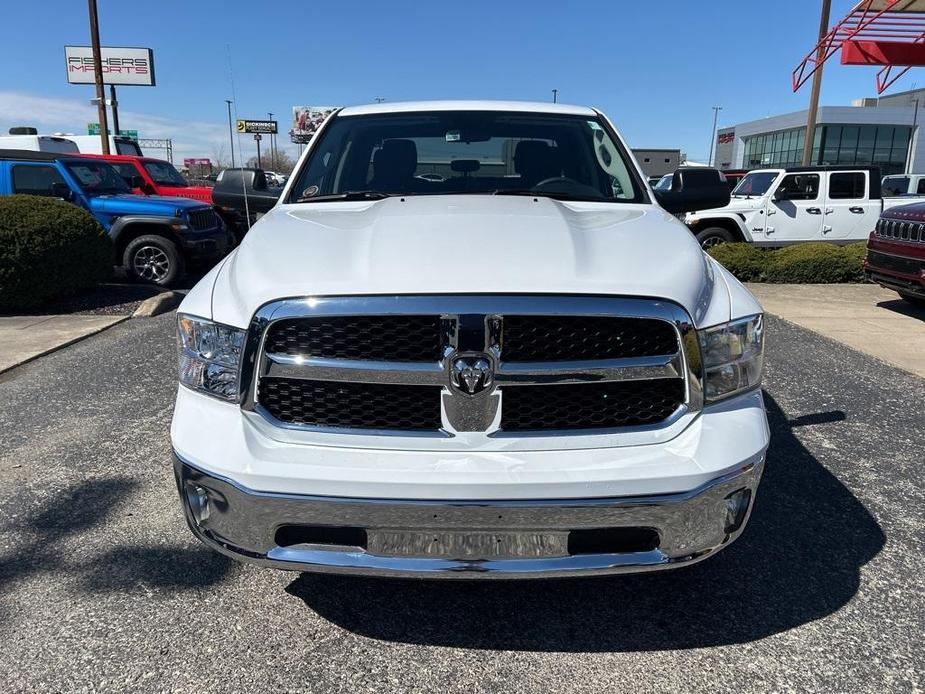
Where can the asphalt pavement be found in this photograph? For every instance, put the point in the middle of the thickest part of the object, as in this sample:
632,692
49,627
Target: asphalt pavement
102,587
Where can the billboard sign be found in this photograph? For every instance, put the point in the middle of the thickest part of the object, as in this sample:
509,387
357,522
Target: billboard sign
198,161
121,66
257,126
306,120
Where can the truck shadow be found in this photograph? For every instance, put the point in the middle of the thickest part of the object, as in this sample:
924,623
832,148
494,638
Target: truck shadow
904,308
798,561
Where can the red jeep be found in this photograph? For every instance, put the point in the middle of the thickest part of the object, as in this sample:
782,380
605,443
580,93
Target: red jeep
149,176
896,252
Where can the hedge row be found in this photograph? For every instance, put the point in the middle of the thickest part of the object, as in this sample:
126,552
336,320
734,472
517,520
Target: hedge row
48,249
805,263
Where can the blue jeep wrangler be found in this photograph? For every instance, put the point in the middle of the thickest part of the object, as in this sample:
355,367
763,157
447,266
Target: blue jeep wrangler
154,237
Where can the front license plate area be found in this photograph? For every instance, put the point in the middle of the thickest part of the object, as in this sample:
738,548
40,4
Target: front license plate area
464,544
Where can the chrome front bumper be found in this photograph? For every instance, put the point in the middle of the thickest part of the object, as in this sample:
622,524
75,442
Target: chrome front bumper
467,539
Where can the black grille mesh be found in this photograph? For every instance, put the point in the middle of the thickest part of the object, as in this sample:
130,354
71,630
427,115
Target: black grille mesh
377,338
569,338
202,219
352,405
589,406
909,266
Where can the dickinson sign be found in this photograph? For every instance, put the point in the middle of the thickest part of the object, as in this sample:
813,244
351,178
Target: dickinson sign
132,66
257,126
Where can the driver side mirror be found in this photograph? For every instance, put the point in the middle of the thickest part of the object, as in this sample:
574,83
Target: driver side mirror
136,182
62,190
694,188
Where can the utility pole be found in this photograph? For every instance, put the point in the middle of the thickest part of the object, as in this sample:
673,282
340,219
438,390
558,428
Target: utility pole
115,109
272,146
257,140
716,110
913,137
555,96
230,132
98,75
817,86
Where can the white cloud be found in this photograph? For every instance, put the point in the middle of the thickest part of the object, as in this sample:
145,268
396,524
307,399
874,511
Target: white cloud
52,114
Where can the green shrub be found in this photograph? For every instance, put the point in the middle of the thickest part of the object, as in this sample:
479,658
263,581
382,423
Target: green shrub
48,248
816,263
804,263
745,261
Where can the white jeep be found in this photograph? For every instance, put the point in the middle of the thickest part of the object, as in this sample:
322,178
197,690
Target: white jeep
778,207
469,341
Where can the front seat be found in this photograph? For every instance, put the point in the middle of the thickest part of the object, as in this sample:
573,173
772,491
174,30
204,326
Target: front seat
394,165
536,161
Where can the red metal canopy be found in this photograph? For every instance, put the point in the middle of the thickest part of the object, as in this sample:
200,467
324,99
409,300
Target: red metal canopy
890,33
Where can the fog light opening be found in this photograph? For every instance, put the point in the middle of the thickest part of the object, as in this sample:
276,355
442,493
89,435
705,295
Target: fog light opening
197,498
737,505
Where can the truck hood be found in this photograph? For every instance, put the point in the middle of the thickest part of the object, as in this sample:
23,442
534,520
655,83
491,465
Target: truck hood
735,205
467,244
155,205
200,193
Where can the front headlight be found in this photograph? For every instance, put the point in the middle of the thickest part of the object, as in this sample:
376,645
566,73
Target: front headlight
733,356
210,356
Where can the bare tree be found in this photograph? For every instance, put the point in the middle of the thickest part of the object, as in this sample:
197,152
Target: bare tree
284,163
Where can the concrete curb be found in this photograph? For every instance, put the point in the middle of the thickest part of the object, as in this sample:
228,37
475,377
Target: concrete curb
66,343
158,304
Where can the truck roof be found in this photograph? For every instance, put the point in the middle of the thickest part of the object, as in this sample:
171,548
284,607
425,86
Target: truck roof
828,167
468,105
32,155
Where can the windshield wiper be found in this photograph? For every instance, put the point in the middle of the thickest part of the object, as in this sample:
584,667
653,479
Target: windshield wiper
550,194
346,195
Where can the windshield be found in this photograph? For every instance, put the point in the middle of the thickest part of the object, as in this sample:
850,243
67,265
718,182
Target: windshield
163,174
467,152
97,178
755,184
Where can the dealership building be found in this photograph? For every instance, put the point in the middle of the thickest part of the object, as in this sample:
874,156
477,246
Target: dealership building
874,131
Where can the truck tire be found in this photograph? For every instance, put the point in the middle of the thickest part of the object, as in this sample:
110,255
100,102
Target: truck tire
153,260
912,299
713,236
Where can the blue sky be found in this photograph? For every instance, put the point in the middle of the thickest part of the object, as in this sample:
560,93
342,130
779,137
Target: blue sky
655,67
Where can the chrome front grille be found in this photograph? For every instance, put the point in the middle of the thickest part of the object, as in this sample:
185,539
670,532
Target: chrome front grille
443,365
900,230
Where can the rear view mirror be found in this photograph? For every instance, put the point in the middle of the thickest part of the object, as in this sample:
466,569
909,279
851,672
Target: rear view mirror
245,190
694,188
62,190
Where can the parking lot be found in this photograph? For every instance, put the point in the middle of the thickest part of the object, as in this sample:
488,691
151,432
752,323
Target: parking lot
103,588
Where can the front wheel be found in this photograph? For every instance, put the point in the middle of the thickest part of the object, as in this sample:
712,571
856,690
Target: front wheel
912,299
154,260
713,236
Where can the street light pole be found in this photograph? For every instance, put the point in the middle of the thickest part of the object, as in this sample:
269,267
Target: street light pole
272,145
716,110
98,76
555,96
230,132
817,86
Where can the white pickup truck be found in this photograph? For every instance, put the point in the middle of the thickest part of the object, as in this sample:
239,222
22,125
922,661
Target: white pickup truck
468,341
777,207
